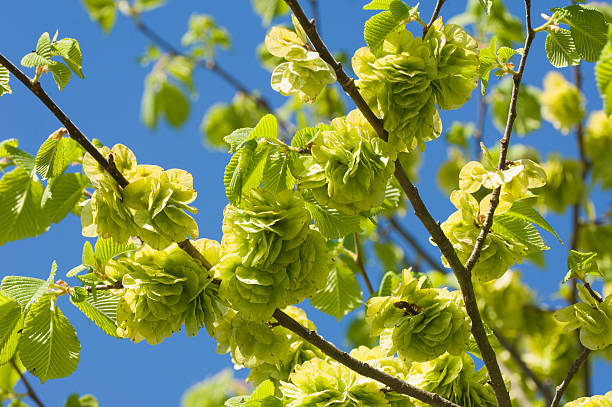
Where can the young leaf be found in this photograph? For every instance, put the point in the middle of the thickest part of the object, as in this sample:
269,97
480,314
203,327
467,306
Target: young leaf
26,290
341,294
523,210
332,223
84,401
580,265
70,51
237,138
50,156
560,49
33,59
10,322
49,347
61,195
382,24
43,46
102,310
603,76
266,128
488,62
520,230
486,5
107,249
61,74
20,158
589,30
4,80
276,176
102,11
389,281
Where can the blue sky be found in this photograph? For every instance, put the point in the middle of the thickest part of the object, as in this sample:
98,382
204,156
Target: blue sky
106,105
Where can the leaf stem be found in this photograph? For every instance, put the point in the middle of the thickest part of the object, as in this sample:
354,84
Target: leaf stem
359,262
420,210
358,366
434,16
31,393
211,66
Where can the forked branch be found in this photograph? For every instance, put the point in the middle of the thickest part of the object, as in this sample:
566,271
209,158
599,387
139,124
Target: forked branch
420,210
31,393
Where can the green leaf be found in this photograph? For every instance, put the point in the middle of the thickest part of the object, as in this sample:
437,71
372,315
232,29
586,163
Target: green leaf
589,30
520,230
211,392
61,74
78,294
43,46
488,61
49,347
102,310
107,249
266,128
522,210
20,158
560,49
341,294
102,11
10,322
304,136
84,401
9,376
237,138
262,391
332,223
26,291
378,5
173,104
269,9
603,76
33,59
382,24
486,5
62,194
70,51
505,53
389,281
528,117
580,265
4,80
50,156
88,257
244,170
276,176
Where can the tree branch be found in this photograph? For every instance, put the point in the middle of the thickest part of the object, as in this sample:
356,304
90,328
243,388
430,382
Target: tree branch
359,262
570,374
514,353
211,66
358,366
31,393
79,137
505,142
434,16
420,210
415,245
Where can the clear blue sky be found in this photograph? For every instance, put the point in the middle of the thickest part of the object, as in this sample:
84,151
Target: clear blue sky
106,106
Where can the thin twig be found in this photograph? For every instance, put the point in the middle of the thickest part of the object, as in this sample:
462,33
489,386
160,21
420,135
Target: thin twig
358,366
80,138
434,16
570,374
31,392
104,287
415,245
420,210
211,66
359,262
514,353
505,143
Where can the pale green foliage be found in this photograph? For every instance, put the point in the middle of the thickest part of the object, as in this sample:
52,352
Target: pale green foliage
564,184
162,98
318,382
528,117
350,166
598,144
422,323
273,258
86,400
164,290
592,317
454,378
595,401
102,11
269,9
580,265
395,14
204,35
268,350
411,75
4,81
152,206
304,73
603,75
562,103
213,391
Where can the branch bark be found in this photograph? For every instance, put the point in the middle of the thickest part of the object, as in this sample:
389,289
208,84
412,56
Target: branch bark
358,366
570,375
434,16
31,392
420,210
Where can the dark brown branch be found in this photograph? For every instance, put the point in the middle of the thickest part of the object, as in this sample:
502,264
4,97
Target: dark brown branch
593,293
570,374
543,388
211,66
420,210
434,16
415,245
314,6
80,138
358,366
359,262
104,287
31,393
